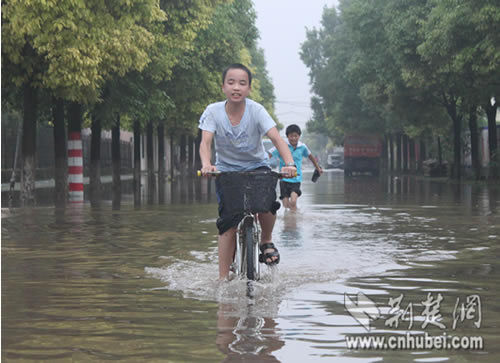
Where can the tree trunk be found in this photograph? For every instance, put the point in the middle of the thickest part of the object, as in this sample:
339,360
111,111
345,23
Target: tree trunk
116,160
405,153
75,115
28,175
183,158
190,154
399,152
474,142
457,148
137,163
172,157
12,183
385,154
150,149
491,112
95,161
440,152
60,154
423,155
391,153
451,107
413,160
161,152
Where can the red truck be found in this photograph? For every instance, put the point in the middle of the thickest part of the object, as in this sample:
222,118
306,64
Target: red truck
362,153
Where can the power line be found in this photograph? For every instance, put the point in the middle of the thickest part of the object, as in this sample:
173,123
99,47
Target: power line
292,112
295,103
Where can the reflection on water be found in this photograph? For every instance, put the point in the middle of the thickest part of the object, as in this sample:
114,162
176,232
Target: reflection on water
137,281
150,191
251,338
291,231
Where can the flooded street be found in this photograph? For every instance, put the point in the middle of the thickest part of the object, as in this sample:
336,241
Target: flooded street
138,284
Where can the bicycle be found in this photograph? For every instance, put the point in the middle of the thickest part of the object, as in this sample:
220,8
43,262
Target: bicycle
251,191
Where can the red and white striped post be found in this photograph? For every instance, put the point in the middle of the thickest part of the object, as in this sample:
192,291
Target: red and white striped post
75,167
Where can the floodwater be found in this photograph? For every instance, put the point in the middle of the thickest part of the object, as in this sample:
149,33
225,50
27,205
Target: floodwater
138,284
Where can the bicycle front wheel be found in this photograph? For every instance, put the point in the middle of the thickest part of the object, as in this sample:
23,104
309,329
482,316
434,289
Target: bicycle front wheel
251,257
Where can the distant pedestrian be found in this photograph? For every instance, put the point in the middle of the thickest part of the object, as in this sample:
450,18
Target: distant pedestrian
290,187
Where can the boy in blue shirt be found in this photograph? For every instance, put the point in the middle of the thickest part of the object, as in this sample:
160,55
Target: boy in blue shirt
238,125
290,187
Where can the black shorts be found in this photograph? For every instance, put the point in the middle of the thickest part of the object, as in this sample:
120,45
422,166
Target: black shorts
287,188
228,219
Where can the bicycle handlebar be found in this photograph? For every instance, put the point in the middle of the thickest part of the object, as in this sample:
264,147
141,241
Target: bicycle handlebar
250,172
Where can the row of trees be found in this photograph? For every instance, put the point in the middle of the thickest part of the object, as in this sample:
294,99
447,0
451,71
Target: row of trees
139,65
418,68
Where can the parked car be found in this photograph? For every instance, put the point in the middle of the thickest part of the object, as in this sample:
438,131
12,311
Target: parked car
335,161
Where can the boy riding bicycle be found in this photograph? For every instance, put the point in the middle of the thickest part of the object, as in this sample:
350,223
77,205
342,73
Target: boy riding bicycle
238,125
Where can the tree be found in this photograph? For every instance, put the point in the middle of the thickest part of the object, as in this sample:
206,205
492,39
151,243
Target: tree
442,51
145,62
461,41
336,72
229,37
70,48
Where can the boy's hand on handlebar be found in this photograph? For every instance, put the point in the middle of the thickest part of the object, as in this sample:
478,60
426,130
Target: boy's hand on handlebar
208,169
290,171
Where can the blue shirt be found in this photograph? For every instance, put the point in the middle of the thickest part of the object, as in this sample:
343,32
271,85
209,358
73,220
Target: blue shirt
299,152
238,147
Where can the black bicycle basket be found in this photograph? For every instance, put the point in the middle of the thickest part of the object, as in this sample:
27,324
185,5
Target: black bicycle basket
259,189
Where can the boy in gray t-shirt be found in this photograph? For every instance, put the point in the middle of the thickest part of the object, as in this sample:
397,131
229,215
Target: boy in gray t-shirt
238,125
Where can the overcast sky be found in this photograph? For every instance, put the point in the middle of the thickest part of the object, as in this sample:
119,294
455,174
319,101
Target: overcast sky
282,26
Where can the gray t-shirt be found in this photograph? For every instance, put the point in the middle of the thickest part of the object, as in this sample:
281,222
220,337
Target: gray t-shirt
238,147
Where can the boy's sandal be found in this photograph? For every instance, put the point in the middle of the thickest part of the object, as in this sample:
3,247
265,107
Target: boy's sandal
263,257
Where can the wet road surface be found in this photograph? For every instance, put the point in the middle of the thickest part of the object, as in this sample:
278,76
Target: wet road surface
138,284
